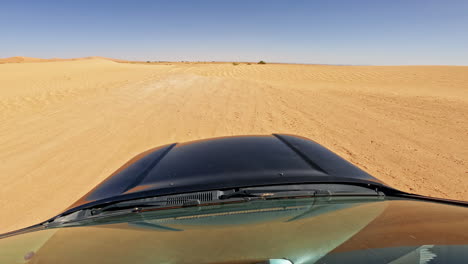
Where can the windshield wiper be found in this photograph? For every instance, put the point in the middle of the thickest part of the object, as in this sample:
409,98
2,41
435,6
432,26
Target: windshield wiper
266,195
316,190
137,205
218,196
254,193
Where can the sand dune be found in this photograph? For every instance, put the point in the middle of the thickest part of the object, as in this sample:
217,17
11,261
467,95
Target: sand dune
65,126
21,59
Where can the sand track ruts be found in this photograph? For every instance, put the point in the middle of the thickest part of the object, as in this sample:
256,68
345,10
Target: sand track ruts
65,126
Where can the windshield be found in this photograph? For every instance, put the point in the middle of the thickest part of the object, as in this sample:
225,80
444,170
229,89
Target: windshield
302,230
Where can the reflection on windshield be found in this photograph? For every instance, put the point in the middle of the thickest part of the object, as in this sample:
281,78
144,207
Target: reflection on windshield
302,230
424,254
22,248
305,230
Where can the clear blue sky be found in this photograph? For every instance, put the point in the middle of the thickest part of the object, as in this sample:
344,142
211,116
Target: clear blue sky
375,32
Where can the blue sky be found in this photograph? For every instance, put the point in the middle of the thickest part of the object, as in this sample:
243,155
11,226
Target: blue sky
373,32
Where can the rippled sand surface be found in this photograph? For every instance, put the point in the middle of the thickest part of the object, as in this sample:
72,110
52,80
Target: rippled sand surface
67,125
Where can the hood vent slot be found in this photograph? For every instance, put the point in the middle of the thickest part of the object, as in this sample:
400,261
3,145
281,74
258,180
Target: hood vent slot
181,199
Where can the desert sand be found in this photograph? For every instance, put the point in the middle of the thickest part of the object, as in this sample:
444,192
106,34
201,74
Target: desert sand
22,59
67,125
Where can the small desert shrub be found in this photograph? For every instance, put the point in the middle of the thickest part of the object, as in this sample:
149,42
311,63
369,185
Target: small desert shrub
235,63
248,63
261,62
148,61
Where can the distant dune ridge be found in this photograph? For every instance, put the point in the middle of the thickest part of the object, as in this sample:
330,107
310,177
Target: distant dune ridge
68,124
21,59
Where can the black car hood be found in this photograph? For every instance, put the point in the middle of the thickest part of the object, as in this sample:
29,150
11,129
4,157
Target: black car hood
221,163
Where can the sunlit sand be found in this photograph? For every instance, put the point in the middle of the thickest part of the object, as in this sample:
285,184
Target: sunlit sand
67,125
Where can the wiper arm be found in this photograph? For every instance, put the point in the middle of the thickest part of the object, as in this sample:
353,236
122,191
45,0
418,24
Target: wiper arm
239,194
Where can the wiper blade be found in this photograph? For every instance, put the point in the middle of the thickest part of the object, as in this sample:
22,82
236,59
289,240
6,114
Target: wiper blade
112,210
316,190
138,205
266,195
